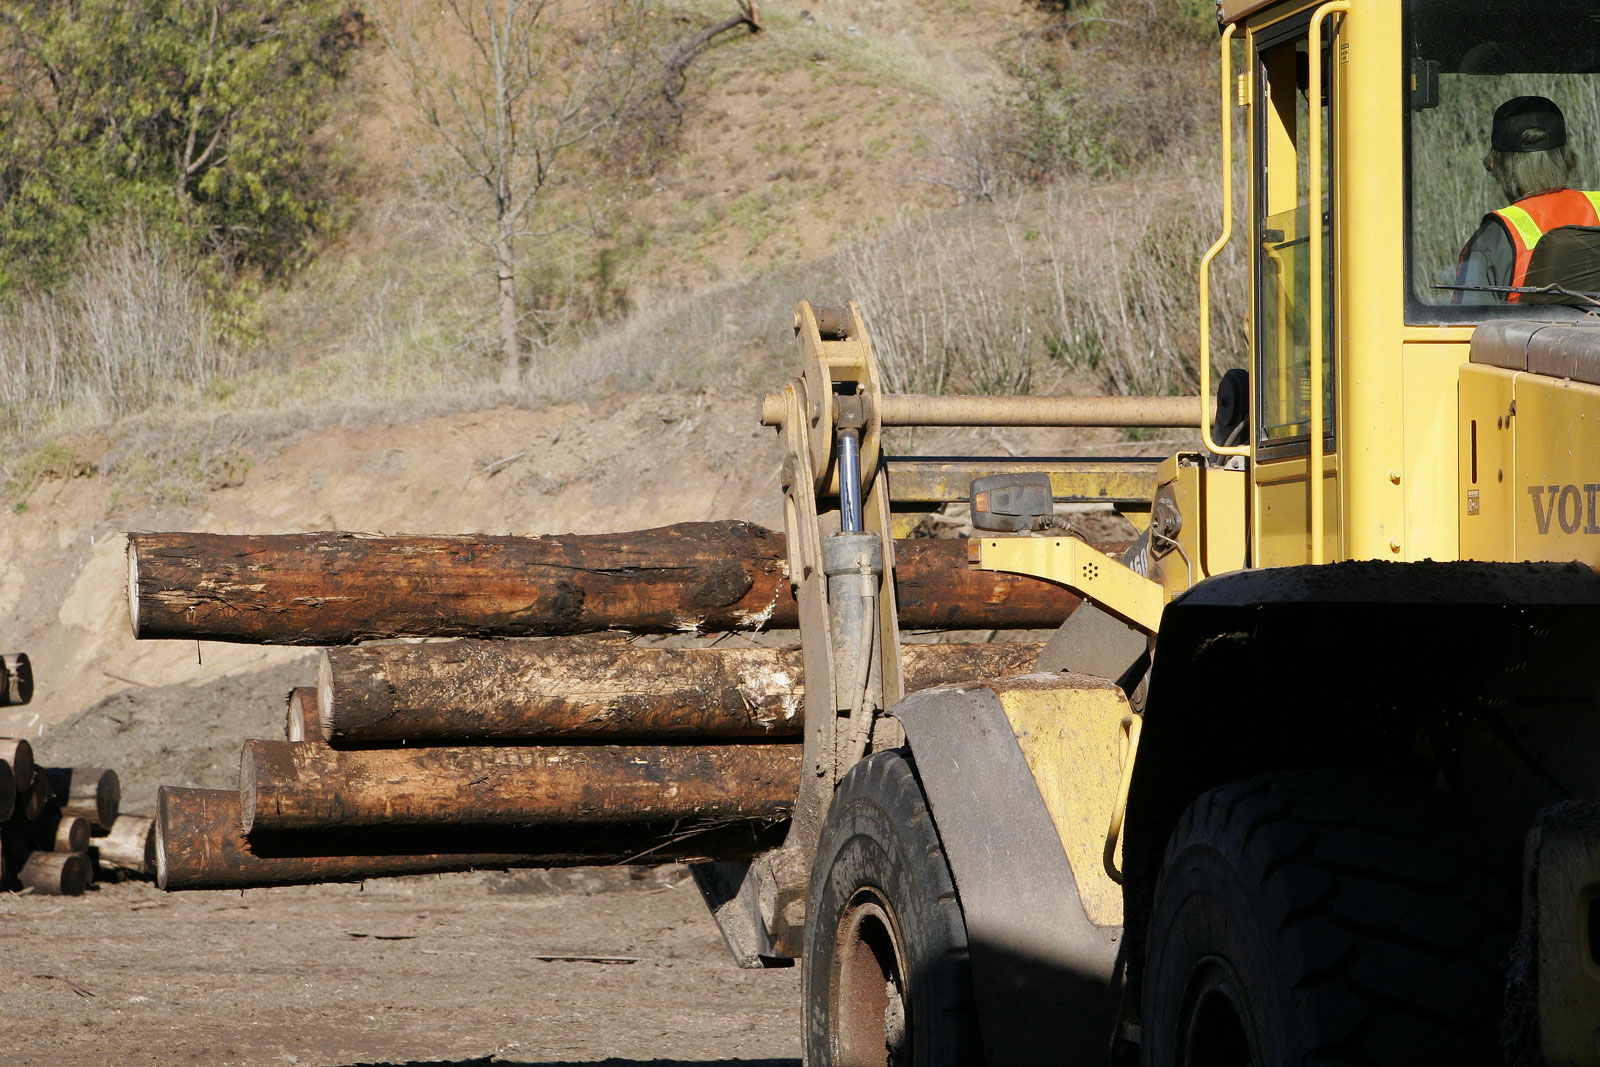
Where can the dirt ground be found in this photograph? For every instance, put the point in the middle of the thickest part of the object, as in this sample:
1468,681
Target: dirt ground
440,969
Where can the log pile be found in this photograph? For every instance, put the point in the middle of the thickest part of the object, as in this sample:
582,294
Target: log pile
521,733
59,824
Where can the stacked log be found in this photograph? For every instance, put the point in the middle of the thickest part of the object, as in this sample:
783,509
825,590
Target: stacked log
329,804
504,738
344,588
53,824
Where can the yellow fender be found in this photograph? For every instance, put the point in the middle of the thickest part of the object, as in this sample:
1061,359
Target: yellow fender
1022,775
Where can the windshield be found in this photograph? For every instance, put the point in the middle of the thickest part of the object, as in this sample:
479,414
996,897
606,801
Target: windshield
1503,107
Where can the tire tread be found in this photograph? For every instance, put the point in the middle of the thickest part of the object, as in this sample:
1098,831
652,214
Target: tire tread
1375,977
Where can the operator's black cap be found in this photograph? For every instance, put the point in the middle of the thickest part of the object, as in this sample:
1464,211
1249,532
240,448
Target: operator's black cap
1526,112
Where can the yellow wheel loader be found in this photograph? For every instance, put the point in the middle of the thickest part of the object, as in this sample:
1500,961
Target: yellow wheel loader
1313,775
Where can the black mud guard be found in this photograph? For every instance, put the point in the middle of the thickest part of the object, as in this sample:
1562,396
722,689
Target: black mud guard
1046,979
1360,664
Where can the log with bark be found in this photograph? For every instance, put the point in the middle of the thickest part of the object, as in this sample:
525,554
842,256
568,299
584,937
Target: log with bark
8,791
286,786
56,873
16,679
32,804
343,588
128,846
58,831
94,792
591,689
199,844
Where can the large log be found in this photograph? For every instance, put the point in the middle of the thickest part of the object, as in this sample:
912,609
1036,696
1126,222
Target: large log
585,688
128,846
199,845
94,792
285,786
342,588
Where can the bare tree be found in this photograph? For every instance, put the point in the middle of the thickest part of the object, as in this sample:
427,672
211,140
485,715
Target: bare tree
510,89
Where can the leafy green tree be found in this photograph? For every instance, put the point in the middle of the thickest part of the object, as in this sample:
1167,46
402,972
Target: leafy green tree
198,115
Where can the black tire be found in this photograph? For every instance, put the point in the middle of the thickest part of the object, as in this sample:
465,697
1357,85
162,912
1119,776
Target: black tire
1325,918
887,978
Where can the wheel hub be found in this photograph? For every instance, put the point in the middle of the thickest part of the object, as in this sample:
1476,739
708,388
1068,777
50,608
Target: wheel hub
870,1016
1211,1027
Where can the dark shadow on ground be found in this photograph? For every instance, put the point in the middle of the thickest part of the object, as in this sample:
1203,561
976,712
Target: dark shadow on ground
495,1061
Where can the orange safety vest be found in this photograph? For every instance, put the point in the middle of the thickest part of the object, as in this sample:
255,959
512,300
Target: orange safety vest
1534,216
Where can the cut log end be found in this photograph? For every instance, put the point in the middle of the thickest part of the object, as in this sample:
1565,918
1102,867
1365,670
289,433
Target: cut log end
38,797
16,679
19,754
61,832
8,791
129,846
247,792
160,836
133,587
95,792
325,683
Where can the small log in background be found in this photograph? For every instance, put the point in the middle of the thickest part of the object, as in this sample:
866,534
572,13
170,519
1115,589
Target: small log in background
128,846
64,874
589,689
343,588
16,679
94,792
47,840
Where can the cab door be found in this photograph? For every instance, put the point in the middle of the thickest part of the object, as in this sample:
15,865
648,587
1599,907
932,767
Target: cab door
1283,293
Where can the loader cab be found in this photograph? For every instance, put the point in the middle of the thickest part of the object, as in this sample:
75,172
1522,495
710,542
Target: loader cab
1366,124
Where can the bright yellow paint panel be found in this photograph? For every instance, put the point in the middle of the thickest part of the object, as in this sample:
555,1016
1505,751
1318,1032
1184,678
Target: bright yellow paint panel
1486,487
1069,728
1283,507
1431,373
1555,494
1080,567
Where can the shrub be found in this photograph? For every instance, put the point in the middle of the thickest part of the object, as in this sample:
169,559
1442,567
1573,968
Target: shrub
129,327
198,115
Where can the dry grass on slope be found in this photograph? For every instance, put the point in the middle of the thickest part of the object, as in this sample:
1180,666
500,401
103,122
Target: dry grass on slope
796,178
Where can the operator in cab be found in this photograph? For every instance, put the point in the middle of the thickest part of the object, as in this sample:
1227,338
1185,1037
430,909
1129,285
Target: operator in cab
1530,157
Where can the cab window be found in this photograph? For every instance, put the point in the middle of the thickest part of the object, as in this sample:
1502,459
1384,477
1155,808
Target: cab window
1464,60
1284,219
